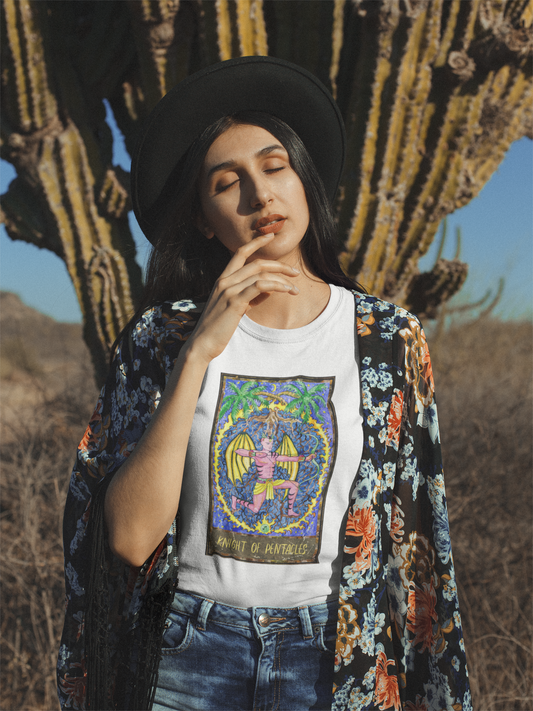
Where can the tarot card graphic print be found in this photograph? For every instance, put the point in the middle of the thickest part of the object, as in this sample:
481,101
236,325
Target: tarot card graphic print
272,452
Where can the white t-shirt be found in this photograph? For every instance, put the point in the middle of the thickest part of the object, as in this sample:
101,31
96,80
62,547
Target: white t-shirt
275,446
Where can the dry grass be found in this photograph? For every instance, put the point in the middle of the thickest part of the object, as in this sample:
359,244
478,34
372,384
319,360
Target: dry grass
483,376
484,385
33,485
47,397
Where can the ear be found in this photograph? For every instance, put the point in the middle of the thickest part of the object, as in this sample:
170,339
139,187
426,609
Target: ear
204,228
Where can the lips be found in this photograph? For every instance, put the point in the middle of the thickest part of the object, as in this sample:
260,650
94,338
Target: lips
269,224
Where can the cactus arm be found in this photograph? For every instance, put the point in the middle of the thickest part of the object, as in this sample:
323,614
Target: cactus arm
104,293
76,200
468,168
23,218
428,291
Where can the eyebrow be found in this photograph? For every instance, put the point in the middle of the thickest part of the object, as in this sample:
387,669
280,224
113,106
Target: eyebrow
230,163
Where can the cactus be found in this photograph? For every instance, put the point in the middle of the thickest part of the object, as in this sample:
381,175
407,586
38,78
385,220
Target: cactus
421,144
67,197
432,92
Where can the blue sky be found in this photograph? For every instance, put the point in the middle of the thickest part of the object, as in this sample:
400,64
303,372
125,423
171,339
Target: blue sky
497,241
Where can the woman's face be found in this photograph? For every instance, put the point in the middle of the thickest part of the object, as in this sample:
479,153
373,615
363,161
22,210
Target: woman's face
248,188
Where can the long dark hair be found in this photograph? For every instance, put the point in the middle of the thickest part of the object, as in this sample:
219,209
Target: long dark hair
184,264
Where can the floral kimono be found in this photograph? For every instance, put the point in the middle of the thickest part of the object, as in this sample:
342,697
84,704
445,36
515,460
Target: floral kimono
399,634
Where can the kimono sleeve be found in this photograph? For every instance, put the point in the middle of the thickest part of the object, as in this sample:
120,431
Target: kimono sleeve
124,408
422,591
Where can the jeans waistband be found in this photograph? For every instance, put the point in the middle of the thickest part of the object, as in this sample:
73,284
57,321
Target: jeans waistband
262,620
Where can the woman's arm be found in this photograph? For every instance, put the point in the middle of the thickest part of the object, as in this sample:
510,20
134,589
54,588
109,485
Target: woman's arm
142,499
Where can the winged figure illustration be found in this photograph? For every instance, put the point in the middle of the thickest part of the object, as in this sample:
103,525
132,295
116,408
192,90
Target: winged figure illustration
240,454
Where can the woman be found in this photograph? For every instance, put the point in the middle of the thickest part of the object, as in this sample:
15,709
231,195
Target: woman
288,416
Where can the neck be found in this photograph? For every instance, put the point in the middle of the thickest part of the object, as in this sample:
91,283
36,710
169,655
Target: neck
288,311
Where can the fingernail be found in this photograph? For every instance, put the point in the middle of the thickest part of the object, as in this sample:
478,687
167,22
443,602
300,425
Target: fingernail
295,288
297,271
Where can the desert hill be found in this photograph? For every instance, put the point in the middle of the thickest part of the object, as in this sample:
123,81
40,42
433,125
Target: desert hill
35,343
40,358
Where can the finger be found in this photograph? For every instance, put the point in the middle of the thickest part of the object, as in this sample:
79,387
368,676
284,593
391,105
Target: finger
254,269
265,286
245,252
262,278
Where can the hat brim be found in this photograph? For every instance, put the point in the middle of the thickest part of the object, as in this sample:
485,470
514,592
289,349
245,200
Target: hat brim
266,84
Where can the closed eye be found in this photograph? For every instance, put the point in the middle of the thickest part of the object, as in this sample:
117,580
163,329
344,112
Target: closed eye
222,188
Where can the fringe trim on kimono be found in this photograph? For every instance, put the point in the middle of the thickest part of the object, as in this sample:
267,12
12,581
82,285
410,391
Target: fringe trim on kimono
134,682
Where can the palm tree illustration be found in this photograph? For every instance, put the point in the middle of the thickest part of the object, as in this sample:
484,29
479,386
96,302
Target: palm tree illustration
250,397
305,400
247,398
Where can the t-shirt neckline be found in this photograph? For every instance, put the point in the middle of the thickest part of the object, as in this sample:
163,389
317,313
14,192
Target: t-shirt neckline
294,335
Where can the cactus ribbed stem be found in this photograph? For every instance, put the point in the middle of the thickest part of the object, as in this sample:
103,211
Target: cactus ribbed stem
68,185
244,24
449,33
224,29
260,46
382,246
244,20
153,26
35,102
473,12
366,199
10,8
336,43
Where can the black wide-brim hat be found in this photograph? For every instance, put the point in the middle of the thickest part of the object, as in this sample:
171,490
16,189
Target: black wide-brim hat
265,84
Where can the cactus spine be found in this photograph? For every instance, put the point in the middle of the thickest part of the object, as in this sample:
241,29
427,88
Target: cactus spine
432,92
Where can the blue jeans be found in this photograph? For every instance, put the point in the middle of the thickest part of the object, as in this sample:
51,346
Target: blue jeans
222,658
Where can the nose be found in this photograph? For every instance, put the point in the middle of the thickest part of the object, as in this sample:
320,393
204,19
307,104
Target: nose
260,192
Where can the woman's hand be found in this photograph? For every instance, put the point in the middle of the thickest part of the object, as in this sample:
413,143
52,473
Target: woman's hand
240,287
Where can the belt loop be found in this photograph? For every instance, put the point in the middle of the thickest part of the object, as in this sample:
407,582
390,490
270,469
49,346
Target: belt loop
305,621
203,613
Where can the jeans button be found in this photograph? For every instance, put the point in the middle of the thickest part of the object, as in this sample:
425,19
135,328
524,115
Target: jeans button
264,620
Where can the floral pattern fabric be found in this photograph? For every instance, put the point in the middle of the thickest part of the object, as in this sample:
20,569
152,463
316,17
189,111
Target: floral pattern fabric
399,636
